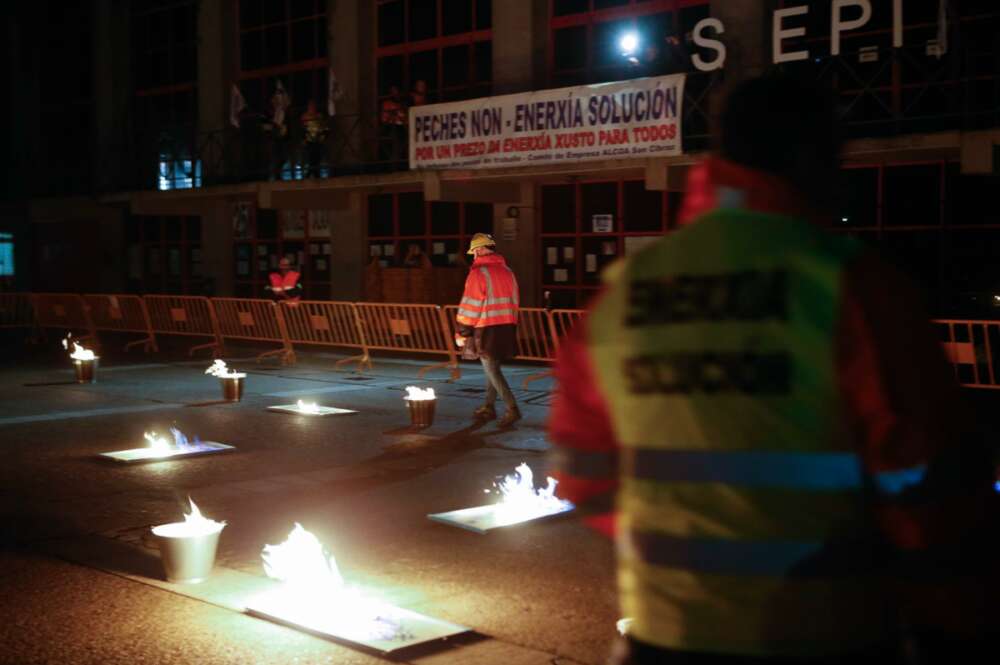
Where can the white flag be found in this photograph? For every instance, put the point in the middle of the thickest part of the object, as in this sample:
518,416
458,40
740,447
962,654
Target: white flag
333,92
236,106
942,31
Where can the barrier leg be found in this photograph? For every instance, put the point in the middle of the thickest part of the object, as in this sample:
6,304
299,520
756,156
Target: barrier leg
452,364
286,356
364,360
215,346
536,377
148,344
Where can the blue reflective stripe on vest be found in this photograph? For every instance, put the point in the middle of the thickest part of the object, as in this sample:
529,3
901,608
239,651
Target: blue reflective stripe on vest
584,463
896,482
738,557
791,470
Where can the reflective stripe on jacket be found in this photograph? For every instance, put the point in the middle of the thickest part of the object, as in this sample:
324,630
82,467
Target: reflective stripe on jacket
491,294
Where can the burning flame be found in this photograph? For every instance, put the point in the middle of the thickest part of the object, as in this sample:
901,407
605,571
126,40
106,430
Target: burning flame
521,501
220,370
195,524
419,394
161,446
623,625
314,594
79,352
307,407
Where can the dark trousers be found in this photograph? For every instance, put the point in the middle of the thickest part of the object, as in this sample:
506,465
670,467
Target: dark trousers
496,383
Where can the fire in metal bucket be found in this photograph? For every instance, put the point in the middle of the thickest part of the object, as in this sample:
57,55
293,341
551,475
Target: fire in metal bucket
416,394
520,501
194,524
79,352
220,370
314,595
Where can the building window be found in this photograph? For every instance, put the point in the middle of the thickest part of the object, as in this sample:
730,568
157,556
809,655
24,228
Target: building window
64,151
164,67
917,87
586,226
441,230
587,44
164,254
447,44
6,254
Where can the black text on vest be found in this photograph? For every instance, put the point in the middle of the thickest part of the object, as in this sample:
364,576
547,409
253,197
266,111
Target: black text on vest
749,295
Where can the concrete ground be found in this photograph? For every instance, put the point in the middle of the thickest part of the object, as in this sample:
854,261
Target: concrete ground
82,583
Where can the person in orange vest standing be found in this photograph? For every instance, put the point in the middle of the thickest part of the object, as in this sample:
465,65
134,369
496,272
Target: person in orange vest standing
285,284
487,324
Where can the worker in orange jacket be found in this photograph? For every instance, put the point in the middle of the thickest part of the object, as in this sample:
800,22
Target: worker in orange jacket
285,284
487,324
761,415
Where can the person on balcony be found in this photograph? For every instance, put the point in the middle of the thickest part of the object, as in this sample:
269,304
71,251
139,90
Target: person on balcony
392,119
487,324
277,127
285,284
315,129
418,95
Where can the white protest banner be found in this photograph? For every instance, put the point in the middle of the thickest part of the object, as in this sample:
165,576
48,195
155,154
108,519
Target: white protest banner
625,119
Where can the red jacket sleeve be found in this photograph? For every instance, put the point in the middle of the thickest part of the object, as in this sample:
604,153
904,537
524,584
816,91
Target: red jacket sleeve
930,480
585,451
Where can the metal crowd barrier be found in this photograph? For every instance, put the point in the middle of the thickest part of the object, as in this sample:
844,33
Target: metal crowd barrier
411,328
66,312
185,315
256,321
16,310
972,348
326,323
122,313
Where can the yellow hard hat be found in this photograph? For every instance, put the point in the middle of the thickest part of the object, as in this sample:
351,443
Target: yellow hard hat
481,240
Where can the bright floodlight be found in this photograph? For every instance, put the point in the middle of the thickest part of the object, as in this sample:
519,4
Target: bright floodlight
629,43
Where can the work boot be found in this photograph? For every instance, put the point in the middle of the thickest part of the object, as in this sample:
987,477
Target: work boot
512,416
485,412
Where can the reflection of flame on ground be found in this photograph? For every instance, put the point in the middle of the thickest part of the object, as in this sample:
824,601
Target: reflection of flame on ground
79,352
162,446
521,501
194,524
416,394
314,595
220,370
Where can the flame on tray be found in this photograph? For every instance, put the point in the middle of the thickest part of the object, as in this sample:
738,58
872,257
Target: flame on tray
414,393
79,352
307,407
220,370
194,524
314,594
162,446
521,501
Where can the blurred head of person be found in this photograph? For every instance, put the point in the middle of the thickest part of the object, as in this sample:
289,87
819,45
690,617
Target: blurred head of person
284,265
787,127
311,107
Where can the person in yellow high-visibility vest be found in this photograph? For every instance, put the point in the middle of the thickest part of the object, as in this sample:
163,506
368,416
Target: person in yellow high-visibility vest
487,324
759,412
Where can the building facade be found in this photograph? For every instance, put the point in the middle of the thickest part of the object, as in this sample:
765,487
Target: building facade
153,150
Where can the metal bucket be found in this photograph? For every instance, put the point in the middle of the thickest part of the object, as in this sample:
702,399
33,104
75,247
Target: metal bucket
186,559
421,411
86,370
232,388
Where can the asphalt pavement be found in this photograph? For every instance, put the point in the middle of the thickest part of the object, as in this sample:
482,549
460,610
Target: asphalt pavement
81,579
